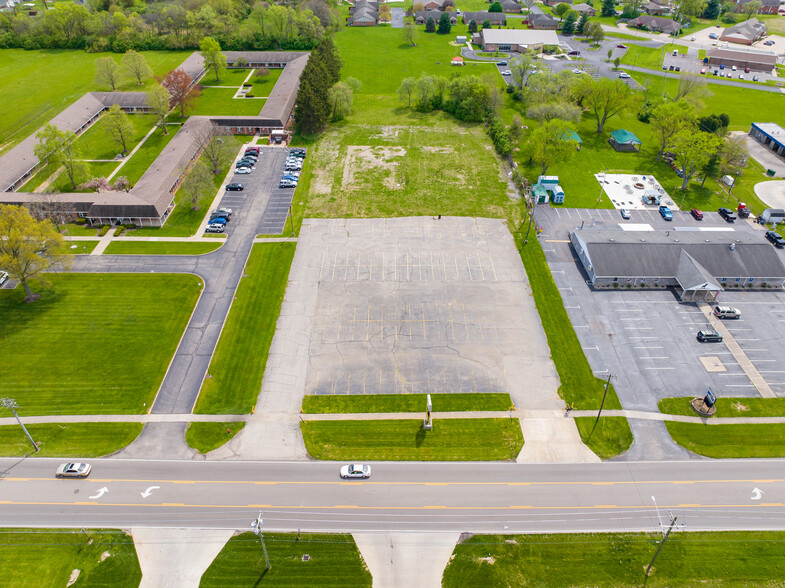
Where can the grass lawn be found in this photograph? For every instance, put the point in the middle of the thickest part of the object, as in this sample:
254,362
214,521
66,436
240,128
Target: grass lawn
134,168
77,230
728,407
204,437
648,56
35,102
405,403
214,101
405,440
38,178
82,247
617,559
93,343
611,437
616,35
160,248
96,143
233,382
231,77
97,169
726,441
72,439
334,560
263,89
46,557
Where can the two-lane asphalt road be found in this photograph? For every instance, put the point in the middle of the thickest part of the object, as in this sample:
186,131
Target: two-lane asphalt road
476,497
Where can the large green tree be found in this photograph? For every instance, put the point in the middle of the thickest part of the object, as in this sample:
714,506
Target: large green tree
198,183
430,25
118,127
406,90
158,100
331,60
444,24
568,26
107,72
605,98
550,143
312,109
668,119
693,151
496,7
60,147
608,8
134,66
214,60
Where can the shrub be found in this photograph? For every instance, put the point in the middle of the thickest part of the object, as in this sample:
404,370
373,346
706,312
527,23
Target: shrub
119,231
247,85
80,221
249,95
104,230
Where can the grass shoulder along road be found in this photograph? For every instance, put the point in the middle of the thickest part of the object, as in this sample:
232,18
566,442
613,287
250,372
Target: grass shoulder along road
730,441
405,440
233,382
161,247
81,247
618,559
320,404
48,557
204,437
727,407
72,439
333,560
611,436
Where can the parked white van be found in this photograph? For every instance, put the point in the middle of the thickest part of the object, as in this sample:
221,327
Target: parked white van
726,312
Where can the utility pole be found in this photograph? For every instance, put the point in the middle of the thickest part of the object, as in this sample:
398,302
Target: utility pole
256,526
738,171
11,403
604,396
531,217
664,539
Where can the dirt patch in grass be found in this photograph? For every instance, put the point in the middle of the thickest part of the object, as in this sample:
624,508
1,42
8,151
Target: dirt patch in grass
739,407
377,161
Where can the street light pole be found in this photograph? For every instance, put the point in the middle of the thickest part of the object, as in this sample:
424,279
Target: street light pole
11,403
256,526
738,171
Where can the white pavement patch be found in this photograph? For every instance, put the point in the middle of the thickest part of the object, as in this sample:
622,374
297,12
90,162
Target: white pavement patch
771,193
406,559
627,190
176,557
553,440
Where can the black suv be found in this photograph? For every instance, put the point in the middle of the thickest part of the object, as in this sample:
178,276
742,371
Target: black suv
234,187
775,238
727,214
709,336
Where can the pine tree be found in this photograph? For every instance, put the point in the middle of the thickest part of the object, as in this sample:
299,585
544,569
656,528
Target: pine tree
331,60
472,26
430,25
444,23
568,27
712,9
608,8
582,22
312,110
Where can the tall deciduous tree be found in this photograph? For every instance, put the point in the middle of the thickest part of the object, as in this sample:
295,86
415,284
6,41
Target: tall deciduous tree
198,183
668,119
119,127
214,60
107,72
135,66
183,95
550,143
693,151
409,33
219,147
520,68
29,247
561,9
752,7
406,90
59,147
605,98
158,100
594,31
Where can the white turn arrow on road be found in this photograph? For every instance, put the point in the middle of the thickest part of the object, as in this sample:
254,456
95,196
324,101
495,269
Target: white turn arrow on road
149,491
756,494
101,492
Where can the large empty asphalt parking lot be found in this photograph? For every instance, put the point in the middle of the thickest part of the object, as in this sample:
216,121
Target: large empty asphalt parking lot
646,339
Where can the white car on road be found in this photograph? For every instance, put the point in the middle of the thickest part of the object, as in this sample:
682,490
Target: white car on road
73,470
356,470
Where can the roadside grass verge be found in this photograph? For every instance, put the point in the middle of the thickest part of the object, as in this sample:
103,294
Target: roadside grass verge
140,161
233,381
204,437
74,440
160,248
47,557
82,247
617,559
611,437
320,404
405,440
333,560
730,441
93,343
728,407
96,143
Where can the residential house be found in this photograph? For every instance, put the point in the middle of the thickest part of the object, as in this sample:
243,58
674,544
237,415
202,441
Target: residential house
365,13
585,8
745,33
434,4
496,18
421,17
769,6
655,23
555,2
655,9
511,6
516,39
543,22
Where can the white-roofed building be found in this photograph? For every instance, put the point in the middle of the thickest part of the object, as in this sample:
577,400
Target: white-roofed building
517,39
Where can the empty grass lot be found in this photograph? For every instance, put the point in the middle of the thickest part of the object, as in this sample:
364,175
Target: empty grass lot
610,560
648,56
728,407
96,143
728,441
404,403
235,374
137,165
47,557
72,439
160,248
215,101
334,560
405,440
204,437
93,343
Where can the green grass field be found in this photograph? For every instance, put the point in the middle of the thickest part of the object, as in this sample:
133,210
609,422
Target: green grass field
96,143
215,101
73,440
730,441
233,382
610,437
728,407
648,56
404,403
97,169
231,77
405,440
334,560
47,557
93,343
618,559
134,168
160,248
204,437
82,247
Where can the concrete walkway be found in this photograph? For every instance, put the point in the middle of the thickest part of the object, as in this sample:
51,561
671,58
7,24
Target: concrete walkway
103,243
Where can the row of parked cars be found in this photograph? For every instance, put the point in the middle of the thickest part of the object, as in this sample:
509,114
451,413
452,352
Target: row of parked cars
247,163
218,220
292,167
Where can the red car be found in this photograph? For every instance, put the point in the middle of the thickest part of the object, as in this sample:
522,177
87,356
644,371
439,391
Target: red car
621,46
696,214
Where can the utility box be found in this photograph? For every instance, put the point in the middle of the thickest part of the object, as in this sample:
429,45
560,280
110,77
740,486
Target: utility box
460,39
727,180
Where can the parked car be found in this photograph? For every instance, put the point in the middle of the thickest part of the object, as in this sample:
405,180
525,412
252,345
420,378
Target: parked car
574,53
741,76
506,72
715,72
769,42
776,239
243,171
219,220
746,70
665,67
733,67
621,46
755,78
727,312
73,470
577,70
3,277
501,63
703,70
729,75
624,75
298,152
215,228
696,214
227,212
292,167
666,213
727,214
709,336
234,187
356,470
624,213
677,68
713,36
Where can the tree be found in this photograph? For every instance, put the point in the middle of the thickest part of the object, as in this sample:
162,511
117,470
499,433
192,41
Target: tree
408,33
122,184
405,90
692,87
752,7
135,67
29,247
182,91
418,7
548,111
561,9
606,98
118,127
693,151
59,147
496,7
595,32
550,143
516,129
107,72
469,99
714,123
384,12
668,119
472,26
330,60
712,10
213,58
424,91
312,110
158,101
617,62
734,153
582,22
486,24
198,183
96,184
520,68
608,8
712,167
444,24
685,9
568,26
341,96
219,147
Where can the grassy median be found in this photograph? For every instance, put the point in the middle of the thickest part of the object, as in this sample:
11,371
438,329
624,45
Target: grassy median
727,407
73,440
729,441
405,403
161,247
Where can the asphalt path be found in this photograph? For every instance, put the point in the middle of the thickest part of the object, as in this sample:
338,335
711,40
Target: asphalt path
467,497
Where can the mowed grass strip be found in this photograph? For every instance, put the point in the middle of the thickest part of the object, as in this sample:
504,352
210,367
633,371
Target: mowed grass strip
730,441
333,560
235,374
47,557
204,437
402,440
135,167
611,436
160,248
617,559
728,407
93,343
320,404
81,247
73,440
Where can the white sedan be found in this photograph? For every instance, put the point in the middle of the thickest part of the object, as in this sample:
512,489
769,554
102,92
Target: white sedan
356,470
624,75
506,72
73,470
242,170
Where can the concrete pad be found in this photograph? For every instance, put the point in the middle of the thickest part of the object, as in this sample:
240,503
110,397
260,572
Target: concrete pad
553,440
623,193
406,559
712,363
265,440
772,194
177,557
